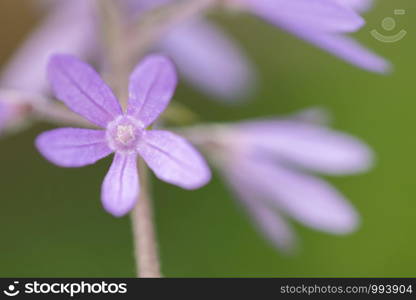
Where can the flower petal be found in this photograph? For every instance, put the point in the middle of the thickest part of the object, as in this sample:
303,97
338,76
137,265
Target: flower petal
319,15
273,226
349,50
135,7
357,5
269,221
82,90
307,145
321,34
67,29
73,147
173,159
201,46
121,185
151,87
308,199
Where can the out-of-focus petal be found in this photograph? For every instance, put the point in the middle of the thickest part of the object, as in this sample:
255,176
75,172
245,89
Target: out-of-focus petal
273,226
326,38
268,220
121,185
358,5
347,49
308,146
314,115
173,159
319,15
82,90
68,29
151,87
134,7
209,60
73,147
308,199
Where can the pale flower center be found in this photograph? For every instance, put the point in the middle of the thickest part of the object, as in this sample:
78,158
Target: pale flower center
123,134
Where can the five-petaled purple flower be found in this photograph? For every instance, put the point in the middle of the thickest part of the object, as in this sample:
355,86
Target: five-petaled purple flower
126,134
267,164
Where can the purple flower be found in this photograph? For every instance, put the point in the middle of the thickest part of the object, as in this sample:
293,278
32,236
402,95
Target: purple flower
126,134
196,44
322,23
358,5
202,51
68,28
268,164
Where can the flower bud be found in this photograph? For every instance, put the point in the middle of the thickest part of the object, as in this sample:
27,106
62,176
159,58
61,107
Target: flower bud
16,109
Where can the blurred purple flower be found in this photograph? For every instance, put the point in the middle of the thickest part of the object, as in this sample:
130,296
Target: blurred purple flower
209,60
358,5
267,163
196,44
322,23
151,87
16,109
68,28
201,51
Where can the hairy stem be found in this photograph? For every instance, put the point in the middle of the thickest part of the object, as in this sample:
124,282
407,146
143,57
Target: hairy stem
146,250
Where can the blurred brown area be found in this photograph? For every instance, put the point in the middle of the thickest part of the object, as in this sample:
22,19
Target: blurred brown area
18,18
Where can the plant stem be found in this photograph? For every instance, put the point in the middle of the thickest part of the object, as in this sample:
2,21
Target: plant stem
146,250
150,28
145,245
124,46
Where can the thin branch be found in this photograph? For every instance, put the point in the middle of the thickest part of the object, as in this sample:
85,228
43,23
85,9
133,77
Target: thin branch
150,28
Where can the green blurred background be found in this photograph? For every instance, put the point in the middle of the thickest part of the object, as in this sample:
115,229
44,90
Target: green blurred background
52,223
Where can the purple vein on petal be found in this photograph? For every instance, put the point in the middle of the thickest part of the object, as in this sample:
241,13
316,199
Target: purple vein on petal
73,147
176,160
173,159
146,97
120,179
151,88
72,81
